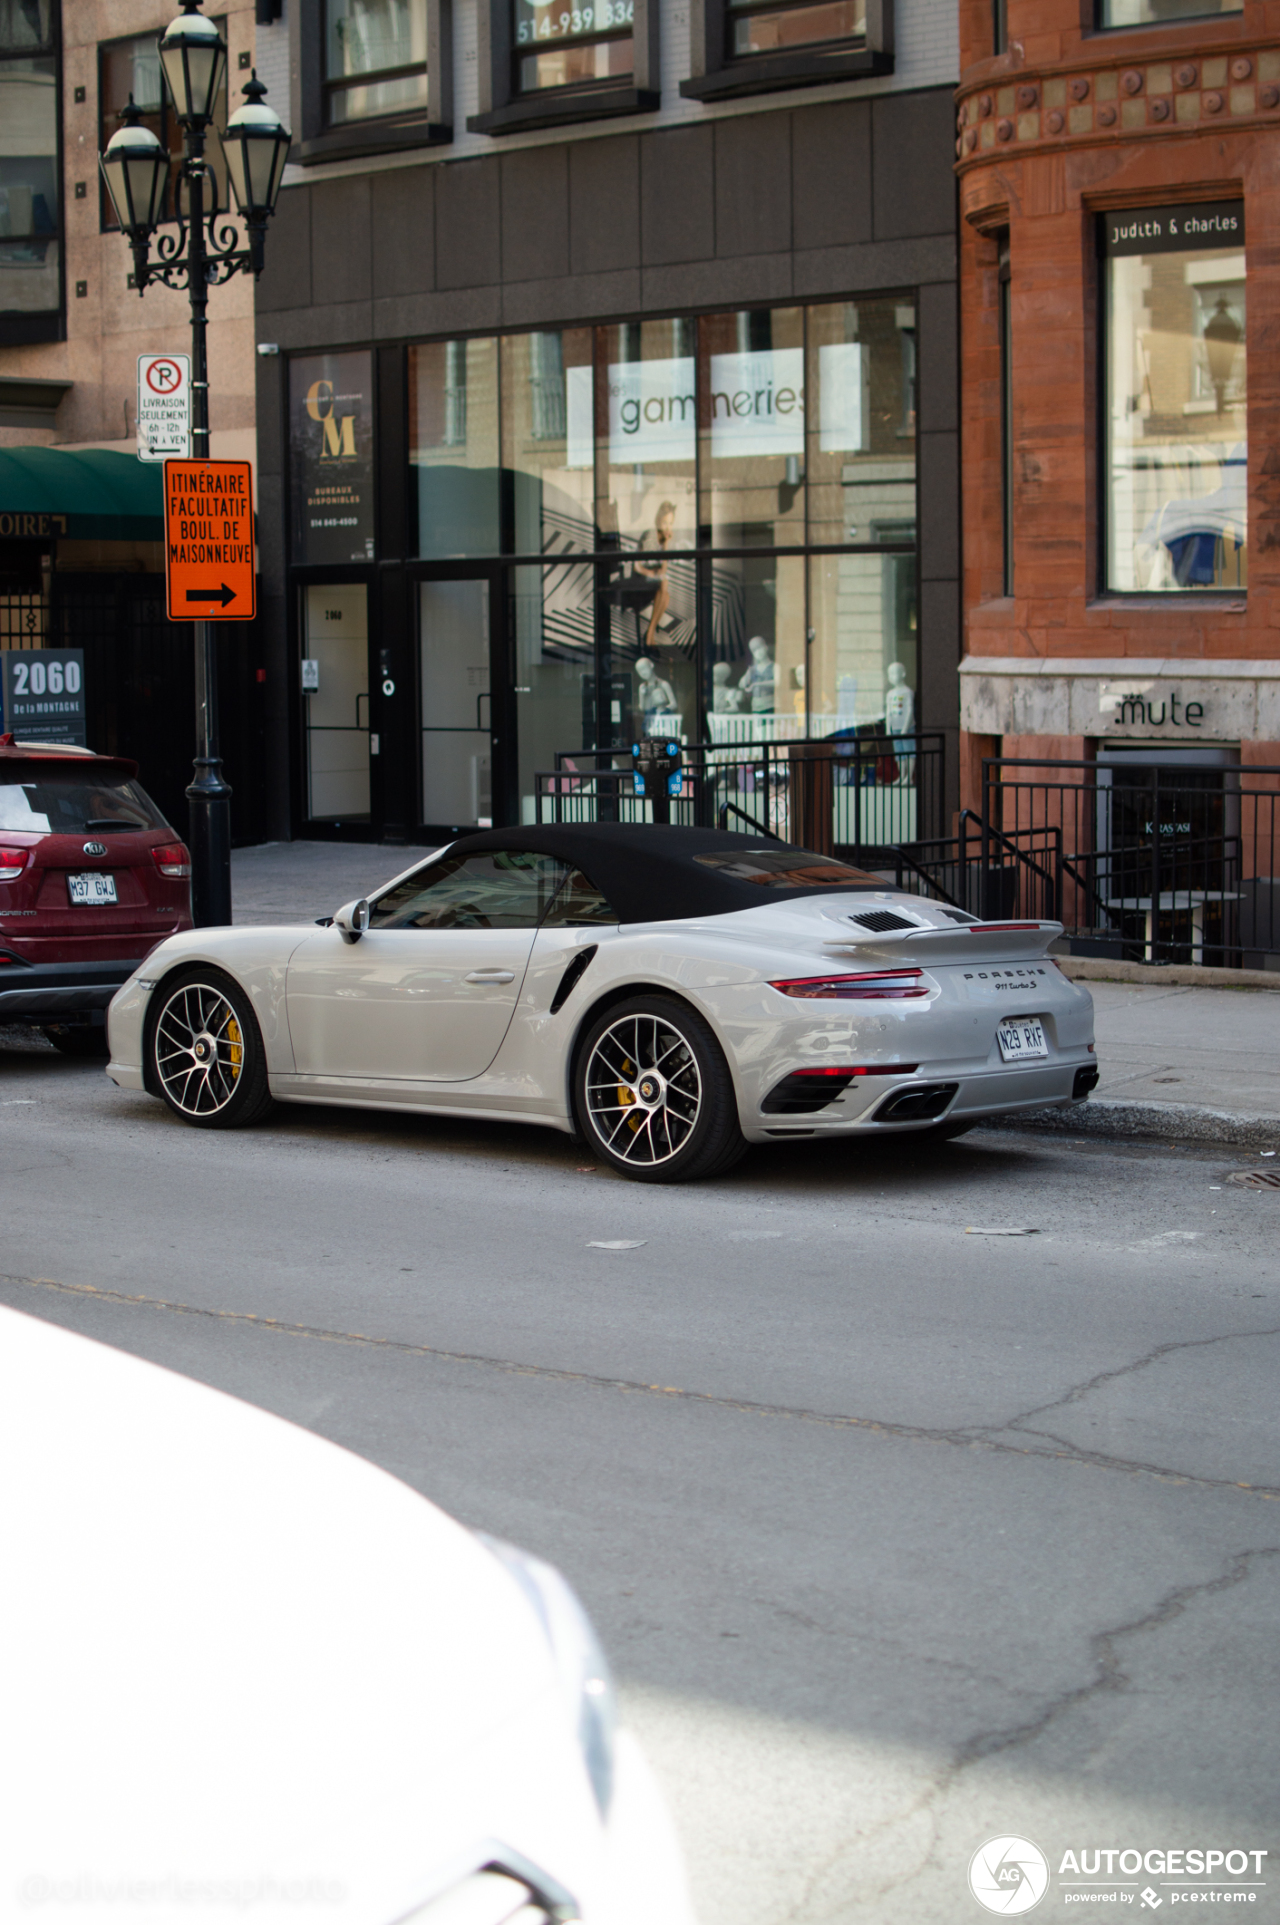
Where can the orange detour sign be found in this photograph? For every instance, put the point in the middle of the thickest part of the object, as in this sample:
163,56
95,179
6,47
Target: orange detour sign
208,515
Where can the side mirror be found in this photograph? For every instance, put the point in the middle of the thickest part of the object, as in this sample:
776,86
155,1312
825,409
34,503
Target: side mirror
352,920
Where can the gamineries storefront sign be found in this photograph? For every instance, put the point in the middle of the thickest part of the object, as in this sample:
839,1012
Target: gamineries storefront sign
1171,701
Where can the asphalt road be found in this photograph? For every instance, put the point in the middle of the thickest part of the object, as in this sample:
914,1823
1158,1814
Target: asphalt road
900,1537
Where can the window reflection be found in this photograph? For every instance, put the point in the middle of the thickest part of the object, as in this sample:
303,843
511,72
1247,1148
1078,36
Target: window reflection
1137,13
751,424
369,38
860,444
547,439
30,216
1177,397
453,446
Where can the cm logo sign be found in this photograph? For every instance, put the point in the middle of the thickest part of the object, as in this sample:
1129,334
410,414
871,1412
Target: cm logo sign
339,431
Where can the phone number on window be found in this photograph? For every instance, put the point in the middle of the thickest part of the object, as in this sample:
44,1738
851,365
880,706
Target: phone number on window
611,13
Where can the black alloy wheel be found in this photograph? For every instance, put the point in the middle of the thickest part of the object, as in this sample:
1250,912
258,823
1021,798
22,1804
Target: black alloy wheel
653,1093
204,1051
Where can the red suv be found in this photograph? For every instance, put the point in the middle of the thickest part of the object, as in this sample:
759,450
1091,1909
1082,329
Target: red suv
91,878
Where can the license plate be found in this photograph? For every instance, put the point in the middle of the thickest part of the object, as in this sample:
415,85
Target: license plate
1021,1038
93,889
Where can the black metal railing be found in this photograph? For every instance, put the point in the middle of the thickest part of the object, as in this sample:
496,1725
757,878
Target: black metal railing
1143,864
846,793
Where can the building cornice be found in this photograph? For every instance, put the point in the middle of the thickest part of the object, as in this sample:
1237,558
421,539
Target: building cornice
1105,98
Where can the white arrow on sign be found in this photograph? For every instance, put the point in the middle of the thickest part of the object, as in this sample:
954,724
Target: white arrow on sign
164,407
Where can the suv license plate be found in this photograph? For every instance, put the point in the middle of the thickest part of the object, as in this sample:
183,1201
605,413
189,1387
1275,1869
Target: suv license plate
93,889
1022,1037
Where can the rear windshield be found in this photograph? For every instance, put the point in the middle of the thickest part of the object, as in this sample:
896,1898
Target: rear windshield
70,804
790,869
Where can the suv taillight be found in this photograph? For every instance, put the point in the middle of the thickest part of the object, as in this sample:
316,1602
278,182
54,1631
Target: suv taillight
172,859
12,864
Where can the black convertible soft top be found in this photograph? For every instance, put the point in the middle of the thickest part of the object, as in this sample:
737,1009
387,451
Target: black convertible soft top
654,874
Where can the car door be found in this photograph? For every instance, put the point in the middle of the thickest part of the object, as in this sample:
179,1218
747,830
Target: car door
428,992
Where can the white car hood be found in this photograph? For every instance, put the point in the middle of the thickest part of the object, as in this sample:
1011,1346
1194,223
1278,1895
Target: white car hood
240,1660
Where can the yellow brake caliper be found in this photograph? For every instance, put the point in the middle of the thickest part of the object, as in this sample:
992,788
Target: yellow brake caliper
627,1097
236,1051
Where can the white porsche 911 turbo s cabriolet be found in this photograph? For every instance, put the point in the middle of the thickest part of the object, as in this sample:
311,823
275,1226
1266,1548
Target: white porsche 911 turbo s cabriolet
671,994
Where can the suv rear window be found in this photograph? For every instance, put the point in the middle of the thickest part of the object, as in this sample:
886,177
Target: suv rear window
71,804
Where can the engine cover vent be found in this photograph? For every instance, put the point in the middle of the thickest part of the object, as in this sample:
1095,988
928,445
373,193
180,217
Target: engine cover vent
881,920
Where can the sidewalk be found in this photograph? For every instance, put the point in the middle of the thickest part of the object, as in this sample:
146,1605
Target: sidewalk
1177,1061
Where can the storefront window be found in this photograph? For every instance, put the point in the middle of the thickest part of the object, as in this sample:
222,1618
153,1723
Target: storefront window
375,58
762,26
1139,13
756,654
552,612
751,427
559,46
30,220
130,69
860,419
453,447
864,672
548,445
1177,456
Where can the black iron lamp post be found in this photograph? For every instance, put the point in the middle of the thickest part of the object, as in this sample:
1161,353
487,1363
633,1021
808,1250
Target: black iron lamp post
197,254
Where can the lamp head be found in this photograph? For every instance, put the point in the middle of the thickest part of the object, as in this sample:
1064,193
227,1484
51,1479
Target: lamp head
193,56
256,146
135,168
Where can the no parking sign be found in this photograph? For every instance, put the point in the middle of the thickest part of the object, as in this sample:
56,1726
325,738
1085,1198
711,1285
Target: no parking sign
164,406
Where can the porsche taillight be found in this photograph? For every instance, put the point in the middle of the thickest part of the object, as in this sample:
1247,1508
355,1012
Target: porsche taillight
172,859
12,864
894,984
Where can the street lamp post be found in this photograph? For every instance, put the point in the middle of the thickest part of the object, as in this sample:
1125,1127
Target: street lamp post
196,256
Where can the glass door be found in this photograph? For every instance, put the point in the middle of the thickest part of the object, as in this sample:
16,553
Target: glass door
335,695
454,643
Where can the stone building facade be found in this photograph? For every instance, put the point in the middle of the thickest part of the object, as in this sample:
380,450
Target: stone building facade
1119,174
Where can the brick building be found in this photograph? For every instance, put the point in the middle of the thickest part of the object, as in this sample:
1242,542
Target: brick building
1119,173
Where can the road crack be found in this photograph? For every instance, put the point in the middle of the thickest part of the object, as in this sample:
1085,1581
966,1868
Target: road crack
959,1437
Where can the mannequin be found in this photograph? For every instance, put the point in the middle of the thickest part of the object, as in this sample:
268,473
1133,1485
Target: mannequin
656,697
900,702
900,719
724,700
758,680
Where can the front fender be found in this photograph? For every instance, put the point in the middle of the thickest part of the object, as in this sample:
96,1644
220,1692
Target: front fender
257,959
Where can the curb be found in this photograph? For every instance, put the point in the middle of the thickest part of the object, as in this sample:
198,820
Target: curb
1108,1116
1096,969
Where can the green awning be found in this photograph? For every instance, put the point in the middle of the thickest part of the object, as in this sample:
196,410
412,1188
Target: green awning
84,494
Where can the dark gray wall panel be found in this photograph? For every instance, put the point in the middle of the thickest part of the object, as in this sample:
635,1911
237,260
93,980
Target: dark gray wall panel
938,697
468,224
677,214
583,297
286,278
831,271
831,174
404,235
463,310
269,417
937,338
753,184
535,214
604,205
306,328
718,283
939,456
913,149
341,240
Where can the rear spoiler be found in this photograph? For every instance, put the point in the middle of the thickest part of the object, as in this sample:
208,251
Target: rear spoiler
968,942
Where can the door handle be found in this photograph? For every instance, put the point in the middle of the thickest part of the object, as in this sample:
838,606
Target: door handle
490,976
